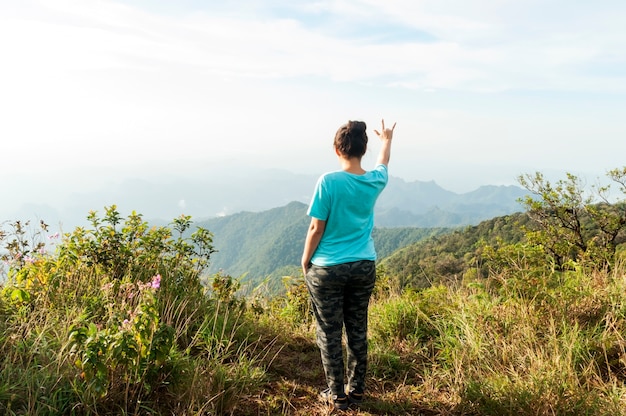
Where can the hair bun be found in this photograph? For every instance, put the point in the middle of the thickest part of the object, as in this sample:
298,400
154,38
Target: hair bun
357,126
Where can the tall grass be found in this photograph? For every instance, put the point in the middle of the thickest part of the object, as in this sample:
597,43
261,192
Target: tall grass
116,321
553,346
211,372
76,341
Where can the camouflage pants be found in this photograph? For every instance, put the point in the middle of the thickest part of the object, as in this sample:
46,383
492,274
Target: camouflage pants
340,296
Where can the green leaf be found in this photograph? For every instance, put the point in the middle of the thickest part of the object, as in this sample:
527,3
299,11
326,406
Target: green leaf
20,295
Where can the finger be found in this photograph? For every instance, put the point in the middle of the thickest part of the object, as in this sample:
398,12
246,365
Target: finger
377,133
383,120
393,127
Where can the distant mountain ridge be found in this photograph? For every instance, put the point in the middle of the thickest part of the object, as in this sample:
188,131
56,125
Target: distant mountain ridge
221,193
426,204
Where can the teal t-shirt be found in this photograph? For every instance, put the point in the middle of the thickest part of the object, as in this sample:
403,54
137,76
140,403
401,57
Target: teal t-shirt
346,202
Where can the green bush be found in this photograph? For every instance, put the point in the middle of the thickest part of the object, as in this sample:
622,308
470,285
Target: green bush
116,318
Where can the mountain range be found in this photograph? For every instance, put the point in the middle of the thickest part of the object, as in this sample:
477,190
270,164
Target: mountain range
219,194
258,218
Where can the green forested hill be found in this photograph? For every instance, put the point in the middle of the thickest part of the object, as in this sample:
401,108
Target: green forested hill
257,243
447,256
388,240
260,244
268,245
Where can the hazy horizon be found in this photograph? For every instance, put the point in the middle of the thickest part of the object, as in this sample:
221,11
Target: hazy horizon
40,196
96,92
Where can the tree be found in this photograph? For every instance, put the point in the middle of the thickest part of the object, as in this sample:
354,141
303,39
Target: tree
573,224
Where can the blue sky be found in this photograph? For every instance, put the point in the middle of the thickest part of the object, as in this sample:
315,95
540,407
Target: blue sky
482,91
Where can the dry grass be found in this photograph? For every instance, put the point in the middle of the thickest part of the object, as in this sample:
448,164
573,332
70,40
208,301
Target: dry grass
475,351
553,347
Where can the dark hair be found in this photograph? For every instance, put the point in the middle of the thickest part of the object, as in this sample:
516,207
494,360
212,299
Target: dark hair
351,139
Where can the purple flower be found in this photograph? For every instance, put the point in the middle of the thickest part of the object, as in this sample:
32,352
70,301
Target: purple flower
156,282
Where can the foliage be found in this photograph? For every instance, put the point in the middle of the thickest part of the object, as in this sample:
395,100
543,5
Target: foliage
120,322
135,346
575,225
448,257
388,240
255,245
23,243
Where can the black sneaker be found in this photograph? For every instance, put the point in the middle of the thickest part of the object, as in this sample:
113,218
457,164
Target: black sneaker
355,398
340,402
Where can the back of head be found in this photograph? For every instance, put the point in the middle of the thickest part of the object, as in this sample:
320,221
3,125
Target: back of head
351,139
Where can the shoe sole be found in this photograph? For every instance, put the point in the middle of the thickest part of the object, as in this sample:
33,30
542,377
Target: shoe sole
339,405
352,399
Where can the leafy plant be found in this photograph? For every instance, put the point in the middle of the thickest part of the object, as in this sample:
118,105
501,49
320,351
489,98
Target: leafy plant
134,349
573,224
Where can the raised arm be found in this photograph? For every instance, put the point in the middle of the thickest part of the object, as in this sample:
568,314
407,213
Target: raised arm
385,151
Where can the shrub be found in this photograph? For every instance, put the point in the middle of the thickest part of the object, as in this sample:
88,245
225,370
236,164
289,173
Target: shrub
117,319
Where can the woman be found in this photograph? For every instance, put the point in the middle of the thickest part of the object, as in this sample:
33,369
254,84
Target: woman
338,260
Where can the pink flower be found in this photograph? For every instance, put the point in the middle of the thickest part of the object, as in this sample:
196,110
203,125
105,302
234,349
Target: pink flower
156,282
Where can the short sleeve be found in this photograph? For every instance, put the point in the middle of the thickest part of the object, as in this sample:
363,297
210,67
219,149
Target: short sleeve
382,172
320,202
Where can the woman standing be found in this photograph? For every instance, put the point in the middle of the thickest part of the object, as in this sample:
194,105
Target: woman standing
339,259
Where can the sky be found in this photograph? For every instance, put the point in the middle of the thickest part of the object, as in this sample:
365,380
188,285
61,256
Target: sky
482,91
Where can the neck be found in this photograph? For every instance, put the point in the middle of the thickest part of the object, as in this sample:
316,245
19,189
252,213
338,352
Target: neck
351,165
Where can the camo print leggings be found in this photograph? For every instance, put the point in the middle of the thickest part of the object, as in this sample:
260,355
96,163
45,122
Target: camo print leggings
340,296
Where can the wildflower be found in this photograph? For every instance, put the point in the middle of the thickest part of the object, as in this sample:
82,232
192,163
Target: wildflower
29,259
156,282
53,236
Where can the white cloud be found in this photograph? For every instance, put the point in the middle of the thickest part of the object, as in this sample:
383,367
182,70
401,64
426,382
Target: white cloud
482,47
88,82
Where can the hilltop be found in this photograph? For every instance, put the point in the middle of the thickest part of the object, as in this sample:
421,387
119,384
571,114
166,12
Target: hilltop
520,314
